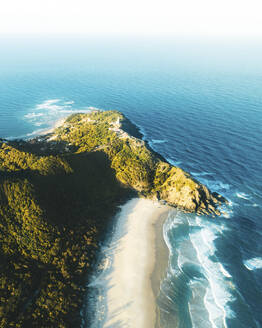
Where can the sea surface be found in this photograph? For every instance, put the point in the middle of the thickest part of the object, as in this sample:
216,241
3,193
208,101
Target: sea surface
199,104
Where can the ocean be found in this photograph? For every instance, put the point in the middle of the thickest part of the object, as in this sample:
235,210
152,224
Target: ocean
199,104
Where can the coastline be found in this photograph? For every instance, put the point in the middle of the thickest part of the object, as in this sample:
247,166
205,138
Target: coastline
138,256
52,128
135,260
161,260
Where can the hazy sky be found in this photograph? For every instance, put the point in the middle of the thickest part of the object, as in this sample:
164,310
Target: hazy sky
241,18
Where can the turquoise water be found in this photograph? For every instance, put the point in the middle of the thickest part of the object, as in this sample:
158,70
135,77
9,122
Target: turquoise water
199,104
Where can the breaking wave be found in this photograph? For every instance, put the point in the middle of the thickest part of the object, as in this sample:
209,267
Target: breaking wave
193,263
158,141
253,264
173,162
45,114
243,195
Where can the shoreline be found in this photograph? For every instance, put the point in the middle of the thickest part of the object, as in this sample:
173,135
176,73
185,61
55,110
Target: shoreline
52,128
39,133
161,260
134,261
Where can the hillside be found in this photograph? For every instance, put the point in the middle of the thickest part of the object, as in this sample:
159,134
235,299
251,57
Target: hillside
135,164
58,194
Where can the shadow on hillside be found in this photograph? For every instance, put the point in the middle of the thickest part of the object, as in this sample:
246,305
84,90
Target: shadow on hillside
91,191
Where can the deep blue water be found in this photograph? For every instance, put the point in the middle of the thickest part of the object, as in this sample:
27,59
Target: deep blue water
200,106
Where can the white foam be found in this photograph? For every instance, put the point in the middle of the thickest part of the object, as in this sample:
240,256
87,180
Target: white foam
243,195
216,185
224,271
143,132
52,101
69,102
230,203
198,313
158,141
51,105
168,225
93,108
214,312
33,115
221,188
174,163
22,136
34,133
218,292
253,264
226,210
200,174
50,111
216,285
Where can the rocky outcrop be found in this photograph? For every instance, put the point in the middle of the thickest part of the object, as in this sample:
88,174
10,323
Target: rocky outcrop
178,188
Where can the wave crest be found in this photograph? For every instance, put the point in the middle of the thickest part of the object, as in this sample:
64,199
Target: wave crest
253,264
50,111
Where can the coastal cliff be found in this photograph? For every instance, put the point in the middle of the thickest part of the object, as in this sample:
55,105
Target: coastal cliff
58,193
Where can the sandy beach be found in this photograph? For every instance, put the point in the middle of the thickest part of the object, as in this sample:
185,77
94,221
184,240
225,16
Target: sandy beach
129,296
161,259
56,125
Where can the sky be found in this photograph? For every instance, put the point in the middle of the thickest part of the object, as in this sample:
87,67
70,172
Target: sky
183,18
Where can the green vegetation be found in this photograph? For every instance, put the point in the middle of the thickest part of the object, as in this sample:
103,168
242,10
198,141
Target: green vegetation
58,194
52,215
135,164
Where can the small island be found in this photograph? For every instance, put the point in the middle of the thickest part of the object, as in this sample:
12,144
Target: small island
59,193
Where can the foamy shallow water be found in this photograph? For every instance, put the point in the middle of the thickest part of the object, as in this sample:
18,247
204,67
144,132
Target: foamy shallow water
193,262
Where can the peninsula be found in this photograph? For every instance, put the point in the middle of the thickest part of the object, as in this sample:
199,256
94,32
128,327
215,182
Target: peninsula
58,196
